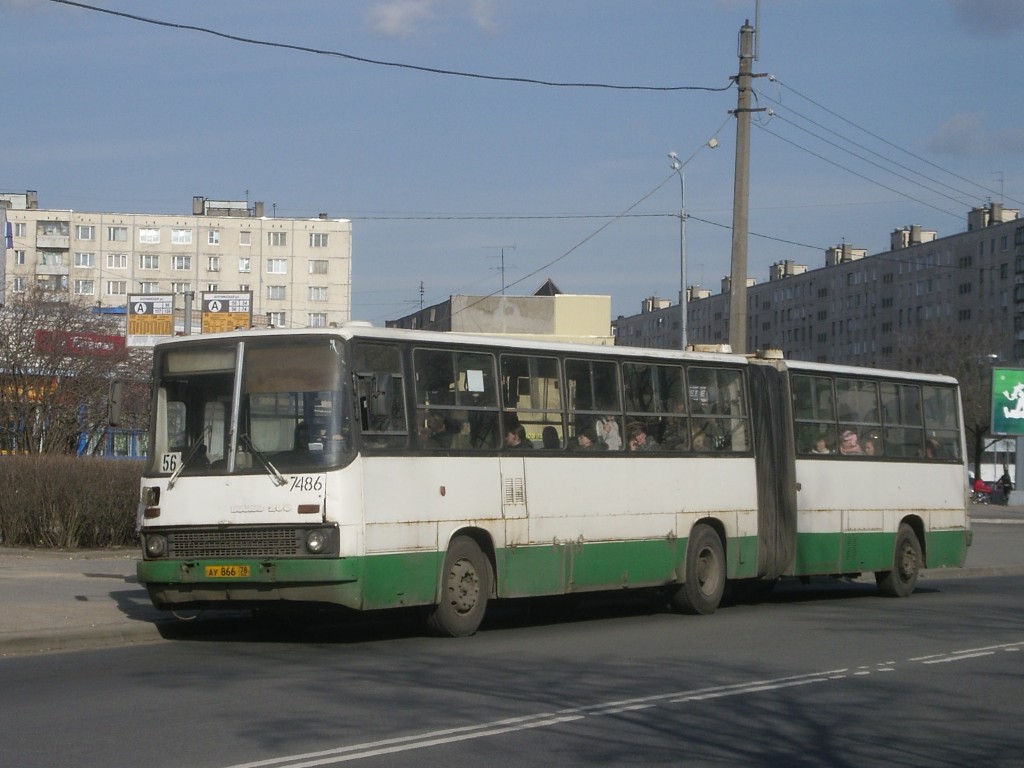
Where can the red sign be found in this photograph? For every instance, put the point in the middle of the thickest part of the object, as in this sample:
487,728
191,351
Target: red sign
64,342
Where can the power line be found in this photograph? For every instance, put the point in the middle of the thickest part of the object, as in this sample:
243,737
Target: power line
889,143
383,63
856,173
847,139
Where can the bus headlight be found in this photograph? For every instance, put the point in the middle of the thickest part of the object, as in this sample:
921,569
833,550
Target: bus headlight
317,540
156,545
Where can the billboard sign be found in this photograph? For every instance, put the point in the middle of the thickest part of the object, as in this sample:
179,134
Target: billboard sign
226,311
150,317
1007,401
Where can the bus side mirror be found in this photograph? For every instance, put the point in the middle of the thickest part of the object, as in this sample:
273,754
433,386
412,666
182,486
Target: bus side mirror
114,402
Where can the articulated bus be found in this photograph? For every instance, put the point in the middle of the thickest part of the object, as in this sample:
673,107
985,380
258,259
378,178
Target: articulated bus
379,468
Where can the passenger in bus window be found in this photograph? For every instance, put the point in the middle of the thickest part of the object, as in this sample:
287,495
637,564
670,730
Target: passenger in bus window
932,449
849,444
586,440
872,445
515,437
821,445
439,432
607,429
701,442
550,438
639,441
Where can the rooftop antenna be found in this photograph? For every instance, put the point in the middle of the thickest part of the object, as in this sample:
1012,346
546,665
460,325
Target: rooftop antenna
502,249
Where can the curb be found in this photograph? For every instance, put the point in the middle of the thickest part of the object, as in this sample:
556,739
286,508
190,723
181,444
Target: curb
81,638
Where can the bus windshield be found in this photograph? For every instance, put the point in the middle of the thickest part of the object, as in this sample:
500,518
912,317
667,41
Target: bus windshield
239,406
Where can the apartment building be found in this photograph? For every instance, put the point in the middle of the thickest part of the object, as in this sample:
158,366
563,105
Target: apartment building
868,310
298,270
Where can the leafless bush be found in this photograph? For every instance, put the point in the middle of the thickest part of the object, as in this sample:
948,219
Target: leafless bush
66,502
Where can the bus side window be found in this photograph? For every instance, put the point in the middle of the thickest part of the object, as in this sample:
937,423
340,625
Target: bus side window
381,395
531,396
901,417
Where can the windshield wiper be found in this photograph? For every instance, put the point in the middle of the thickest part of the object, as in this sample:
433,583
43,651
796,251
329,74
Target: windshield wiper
191,454
276,476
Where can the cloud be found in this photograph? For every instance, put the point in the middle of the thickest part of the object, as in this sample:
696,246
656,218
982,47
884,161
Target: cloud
989,18
965,135
961,134
406,18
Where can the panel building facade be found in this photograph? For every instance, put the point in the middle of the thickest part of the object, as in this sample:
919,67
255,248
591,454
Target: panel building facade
298,270
869,310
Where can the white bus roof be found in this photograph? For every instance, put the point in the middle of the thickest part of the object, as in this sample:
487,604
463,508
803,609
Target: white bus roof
364,330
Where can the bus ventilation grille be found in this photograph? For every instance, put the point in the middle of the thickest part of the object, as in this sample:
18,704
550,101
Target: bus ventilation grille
246,542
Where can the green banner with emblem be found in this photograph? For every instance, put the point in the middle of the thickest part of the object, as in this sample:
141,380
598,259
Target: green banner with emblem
1008,401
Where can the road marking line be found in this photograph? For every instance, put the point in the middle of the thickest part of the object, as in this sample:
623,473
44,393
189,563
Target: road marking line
547,719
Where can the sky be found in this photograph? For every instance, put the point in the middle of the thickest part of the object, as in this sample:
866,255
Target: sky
476,144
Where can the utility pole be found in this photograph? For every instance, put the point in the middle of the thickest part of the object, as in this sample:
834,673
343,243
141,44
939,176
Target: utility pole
741,194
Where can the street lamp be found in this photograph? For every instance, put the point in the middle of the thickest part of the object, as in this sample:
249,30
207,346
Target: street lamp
677,166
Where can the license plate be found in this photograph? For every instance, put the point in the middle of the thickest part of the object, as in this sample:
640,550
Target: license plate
226,571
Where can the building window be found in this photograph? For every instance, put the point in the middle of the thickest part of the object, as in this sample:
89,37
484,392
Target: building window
275,319
181,262
117,287
317,239
275,292
213,264
181,287
84,232
84,287
181,237
318,293
317,319
277,238
117,261
243,287
149,286
277,267
244,264
85,259
245,237
18,285
117,234
50,258
318,266
19,229
213,286
213,237
149,261
149,236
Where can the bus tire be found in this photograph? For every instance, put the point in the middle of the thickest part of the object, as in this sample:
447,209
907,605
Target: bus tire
702,591
465,587
906,565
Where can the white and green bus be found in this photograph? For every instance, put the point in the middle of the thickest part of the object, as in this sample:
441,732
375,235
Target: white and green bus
378,468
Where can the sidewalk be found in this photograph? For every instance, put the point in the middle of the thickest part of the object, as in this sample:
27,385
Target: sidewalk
90,599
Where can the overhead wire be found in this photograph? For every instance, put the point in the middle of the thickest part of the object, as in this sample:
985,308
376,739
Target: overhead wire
384,63
885,141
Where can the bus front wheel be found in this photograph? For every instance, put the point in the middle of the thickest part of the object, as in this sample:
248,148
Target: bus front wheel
906,565
465,587
705,573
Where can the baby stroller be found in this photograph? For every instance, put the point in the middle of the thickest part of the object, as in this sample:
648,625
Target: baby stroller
981,492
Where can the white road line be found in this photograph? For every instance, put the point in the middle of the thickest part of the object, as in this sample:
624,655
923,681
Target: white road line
548,719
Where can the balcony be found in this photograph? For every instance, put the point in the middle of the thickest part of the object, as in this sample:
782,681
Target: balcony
53,242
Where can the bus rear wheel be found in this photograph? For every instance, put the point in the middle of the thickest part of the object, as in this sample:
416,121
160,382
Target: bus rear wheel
702,591
906,566
465,587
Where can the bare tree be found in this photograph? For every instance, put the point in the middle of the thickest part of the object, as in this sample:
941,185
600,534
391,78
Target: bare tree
56,362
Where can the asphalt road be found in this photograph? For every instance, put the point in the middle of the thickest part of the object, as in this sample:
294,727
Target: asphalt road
823,675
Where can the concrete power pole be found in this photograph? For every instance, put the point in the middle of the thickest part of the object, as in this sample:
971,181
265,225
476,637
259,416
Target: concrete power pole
741,195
